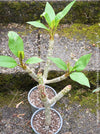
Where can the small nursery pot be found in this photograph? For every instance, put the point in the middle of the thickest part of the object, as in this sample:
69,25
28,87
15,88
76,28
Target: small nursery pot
36,114
33,107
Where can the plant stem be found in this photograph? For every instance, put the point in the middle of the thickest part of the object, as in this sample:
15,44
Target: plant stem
31,73
50,52
47,103
63,77
38,44
27,69
47,111
45,100
60,94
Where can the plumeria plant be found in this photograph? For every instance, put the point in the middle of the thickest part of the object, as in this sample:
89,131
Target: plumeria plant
17,48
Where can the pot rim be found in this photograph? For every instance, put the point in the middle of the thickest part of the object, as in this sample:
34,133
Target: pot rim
61,120
34,89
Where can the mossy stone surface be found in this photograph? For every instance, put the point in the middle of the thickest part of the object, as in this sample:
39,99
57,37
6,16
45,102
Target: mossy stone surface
10,84
18,81
21,12
81,31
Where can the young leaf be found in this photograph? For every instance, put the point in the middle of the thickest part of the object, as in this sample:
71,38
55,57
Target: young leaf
47,18
61,14
49,10
82,62
96,90
80,78
33,60
59,63
70,69
6,61
15,43
49,14
37,24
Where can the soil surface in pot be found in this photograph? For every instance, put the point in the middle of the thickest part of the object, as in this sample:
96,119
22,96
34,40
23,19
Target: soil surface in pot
39,122
35,98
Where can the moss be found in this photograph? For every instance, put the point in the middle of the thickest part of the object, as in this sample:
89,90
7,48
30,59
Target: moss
20,12
85,98
61,105
11,99
14,86
27,30
5,99
92,75
90,32
11,83
76,98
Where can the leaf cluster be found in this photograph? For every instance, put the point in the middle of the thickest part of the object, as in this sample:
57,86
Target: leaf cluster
51,18
74,72
16,46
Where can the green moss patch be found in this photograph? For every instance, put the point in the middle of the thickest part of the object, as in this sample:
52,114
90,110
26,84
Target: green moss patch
16,86
85,98
14,82
82,31
13,98
82,11
90,33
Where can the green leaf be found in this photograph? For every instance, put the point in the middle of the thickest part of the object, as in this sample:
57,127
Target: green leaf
61,14
33,60
80,78
82,62
37,24
70,69
6,61
49,14
15,43
59,63
47,18
49,10
96,90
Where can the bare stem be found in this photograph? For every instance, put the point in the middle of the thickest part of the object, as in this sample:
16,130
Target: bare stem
63,77
45,100
50,52
47,103
47,111
60,94
27,69
31,73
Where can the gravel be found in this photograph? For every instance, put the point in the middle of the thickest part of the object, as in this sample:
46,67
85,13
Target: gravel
64,48
76,120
